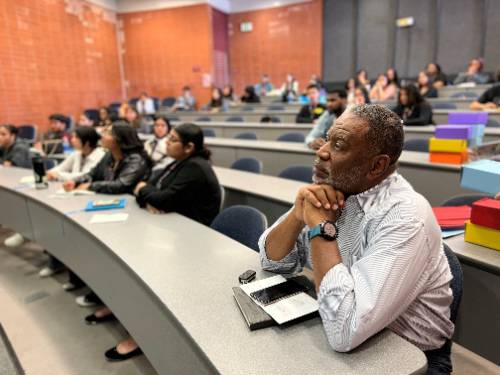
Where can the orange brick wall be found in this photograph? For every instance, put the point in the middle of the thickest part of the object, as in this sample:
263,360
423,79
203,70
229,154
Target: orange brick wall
284,39
55,56
167,49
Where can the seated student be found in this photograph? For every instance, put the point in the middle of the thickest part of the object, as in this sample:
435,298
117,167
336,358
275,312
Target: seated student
392,77
216,103
52,141
104,118
289,89
185,102
124,165
310,112
189,187
490,99
350,88
85,120
362,79
250,96
13,152
336,102
156,147
228,96
121,168
412,108
264,86
474,73
361,95
424,86
373,242
316,80
436,77
122,111
383,90
85,157
136,121
145,105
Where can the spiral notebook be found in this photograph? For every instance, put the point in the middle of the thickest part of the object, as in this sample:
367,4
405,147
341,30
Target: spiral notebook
284,310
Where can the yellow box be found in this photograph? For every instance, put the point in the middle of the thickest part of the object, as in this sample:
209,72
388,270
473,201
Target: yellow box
482,235
447,145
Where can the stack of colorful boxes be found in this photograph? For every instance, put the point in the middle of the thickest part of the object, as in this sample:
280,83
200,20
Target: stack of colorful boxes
484,226
449,145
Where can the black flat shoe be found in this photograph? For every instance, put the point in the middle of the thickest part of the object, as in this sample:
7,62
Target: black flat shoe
93,319
113,355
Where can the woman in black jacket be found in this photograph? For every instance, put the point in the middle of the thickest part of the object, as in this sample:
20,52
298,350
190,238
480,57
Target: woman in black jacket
119,171
125,164
188,185
412,108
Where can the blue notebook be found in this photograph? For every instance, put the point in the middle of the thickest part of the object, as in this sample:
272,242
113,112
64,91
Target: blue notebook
105,204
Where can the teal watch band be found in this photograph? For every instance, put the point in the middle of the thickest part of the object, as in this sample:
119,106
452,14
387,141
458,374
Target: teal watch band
314,231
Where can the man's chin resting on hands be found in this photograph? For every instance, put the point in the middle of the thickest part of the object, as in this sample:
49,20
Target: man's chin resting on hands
372,241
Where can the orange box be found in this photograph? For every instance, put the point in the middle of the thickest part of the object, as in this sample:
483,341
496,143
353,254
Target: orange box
449,157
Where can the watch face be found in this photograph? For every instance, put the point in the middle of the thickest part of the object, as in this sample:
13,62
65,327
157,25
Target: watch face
329,229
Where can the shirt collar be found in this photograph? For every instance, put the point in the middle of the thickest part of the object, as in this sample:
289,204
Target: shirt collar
380,192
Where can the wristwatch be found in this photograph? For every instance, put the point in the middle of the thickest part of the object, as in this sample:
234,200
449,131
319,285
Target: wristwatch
326,229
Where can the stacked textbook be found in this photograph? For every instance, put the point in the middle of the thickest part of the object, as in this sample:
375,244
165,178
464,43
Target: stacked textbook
483,228
450,142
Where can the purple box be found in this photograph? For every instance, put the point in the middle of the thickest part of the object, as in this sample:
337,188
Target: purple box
468,118
454,131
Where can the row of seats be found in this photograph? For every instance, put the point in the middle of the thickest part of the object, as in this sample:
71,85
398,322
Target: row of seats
294,137
302,173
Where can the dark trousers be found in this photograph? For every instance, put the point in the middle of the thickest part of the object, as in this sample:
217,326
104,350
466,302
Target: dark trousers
439,360
55,263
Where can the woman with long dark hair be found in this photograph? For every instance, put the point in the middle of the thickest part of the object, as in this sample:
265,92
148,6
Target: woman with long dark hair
216,103
412,108
125,164
187,186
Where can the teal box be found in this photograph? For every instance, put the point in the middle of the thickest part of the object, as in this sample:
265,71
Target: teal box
474,142
482,175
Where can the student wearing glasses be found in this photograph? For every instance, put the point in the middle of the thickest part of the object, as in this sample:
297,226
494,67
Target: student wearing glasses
156,147
187,186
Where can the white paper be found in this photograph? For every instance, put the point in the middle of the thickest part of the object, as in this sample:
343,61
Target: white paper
286,309
108,218
27,180
62,192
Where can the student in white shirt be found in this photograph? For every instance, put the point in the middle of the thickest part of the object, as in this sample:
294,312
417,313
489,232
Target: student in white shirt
86,156
145,105
156,147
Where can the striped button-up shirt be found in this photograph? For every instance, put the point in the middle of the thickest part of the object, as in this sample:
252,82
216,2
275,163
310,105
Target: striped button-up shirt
393,273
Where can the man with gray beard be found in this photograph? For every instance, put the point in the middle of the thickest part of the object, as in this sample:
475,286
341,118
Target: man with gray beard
373,242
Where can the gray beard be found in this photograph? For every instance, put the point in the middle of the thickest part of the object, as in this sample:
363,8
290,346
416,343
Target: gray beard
344,181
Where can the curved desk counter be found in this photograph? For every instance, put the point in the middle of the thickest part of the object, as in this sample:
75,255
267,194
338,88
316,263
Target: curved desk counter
436,182
168,280
248,116
460,103
477,326
271,131
440,116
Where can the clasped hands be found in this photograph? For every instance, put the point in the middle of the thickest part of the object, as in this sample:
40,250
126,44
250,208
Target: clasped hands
316,203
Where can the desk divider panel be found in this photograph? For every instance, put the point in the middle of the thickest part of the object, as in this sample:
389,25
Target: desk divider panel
14,213
168,346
